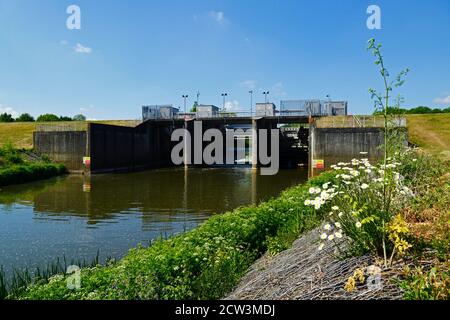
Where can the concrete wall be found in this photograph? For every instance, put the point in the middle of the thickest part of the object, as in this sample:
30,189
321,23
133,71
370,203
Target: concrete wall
114,148
67,147
335,145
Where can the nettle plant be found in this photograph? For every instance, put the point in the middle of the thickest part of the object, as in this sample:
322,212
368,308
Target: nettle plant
366,199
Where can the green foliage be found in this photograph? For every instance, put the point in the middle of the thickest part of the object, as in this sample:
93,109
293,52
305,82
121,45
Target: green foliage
204,263
194,107
21,173
48,117
417,110
9,155
6,117
14,169
79,117
354,204
65,118
427,285
23,278
25,117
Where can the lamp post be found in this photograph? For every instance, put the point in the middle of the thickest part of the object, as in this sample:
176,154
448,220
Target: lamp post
185,96
265,93
251,103
223,96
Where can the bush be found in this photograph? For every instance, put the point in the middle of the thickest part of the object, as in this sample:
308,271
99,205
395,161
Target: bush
22,173
47,118
6,117
426,285
25,117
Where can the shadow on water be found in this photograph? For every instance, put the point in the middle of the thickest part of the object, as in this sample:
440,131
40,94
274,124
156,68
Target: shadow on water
76,216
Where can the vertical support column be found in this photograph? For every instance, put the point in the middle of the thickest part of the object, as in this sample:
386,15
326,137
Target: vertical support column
255,162
87,169
311,149
189,131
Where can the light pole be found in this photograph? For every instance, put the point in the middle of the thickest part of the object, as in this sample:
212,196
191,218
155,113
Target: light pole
251,103
185,96
198,97
223,96
265,93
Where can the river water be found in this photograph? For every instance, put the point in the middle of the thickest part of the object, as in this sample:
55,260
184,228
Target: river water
76,216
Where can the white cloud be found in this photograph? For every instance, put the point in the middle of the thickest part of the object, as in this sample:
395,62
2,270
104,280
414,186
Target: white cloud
79,48
219,17
232,106
9,110
87,109
445,100
63,43
277,90
249,84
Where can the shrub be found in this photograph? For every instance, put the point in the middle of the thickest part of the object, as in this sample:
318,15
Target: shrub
25,117
6,117
47,118
426,285
22,173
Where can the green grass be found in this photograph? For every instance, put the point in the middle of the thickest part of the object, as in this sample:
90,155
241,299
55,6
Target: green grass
18,167
205,263
20,134
431,132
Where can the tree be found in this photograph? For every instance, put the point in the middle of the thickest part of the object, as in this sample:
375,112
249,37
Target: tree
194,107
48,117
64,118
25,117
420,110
6,117
79,117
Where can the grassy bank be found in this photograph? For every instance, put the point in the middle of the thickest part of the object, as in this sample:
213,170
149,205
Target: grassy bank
20,134
19,166
205,263
431,132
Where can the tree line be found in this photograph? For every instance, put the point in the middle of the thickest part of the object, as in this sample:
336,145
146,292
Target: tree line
417,110
48,117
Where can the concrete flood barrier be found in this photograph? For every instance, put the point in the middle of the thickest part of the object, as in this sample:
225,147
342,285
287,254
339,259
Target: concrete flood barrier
99,148
115,148
341,141
67,147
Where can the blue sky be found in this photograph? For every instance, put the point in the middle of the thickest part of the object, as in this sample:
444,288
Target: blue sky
132,53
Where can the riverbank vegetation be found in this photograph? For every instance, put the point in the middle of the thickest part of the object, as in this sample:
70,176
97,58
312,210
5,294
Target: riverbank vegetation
20,166
396,210
205,263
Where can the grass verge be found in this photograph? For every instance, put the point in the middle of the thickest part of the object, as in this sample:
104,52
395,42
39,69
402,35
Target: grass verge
17,166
